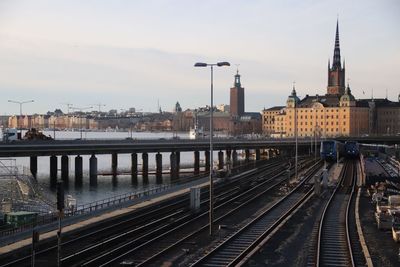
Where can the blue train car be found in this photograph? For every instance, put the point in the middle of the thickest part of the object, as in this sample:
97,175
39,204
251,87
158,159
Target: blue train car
330,149
351,149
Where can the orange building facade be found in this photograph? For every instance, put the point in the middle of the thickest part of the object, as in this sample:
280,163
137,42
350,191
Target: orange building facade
337,113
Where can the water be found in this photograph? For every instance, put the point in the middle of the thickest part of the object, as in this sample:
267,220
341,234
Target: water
107,185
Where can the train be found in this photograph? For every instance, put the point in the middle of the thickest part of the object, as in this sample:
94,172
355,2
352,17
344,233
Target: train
331,148
351,149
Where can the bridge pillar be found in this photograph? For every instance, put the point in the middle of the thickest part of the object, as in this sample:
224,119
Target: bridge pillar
196,162
247,155
114,163
93,170
178,161
228,155
207,160
33,165
53,170
78,170
173,163
258,154
134,169
158,166
64,168
234,158
145,165
220,160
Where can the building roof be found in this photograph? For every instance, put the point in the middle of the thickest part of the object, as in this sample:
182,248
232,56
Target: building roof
380,102
274,108
252,115
326,100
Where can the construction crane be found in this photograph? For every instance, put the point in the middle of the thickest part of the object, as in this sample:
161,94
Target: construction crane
69,106
99,105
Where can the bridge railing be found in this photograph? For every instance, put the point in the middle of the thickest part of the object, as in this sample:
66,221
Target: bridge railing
115,200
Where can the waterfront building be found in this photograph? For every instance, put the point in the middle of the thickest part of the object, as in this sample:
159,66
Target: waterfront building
237,98
337,113
234,120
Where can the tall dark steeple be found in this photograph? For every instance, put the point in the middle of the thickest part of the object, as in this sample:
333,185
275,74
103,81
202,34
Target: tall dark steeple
336,74
237,97
336,52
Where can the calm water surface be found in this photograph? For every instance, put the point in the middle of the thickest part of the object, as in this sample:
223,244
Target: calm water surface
107,186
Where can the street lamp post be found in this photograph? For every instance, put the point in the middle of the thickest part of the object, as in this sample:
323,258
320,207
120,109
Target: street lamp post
211,212
20,103
296,140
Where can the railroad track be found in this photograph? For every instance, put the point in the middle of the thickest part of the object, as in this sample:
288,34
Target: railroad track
133,223
157,242
235,248
337,237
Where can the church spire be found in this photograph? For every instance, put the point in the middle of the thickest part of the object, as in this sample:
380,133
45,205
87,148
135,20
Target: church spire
336,74
336,53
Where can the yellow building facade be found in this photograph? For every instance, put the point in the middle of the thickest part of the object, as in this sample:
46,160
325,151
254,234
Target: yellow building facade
337,113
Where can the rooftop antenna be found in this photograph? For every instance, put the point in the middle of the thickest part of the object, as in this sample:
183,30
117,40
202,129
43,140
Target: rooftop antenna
386,94
237,68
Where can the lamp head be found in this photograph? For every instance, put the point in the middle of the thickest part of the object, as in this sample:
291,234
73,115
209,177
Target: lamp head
200,64
224,63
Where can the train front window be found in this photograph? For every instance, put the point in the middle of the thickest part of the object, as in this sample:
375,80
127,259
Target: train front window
328,147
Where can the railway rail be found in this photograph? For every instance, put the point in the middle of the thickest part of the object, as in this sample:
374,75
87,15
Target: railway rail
338,242
107,233
146,248
231,251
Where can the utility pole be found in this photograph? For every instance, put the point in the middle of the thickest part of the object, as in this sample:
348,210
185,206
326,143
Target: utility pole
60,208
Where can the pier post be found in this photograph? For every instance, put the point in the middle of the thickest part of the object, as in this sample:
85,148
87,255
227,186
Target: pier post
33,165
247,155
158,166
196,162
220,160
178,161
114,163
173,161
64,169
207,160
134,168
53,170
145,165
258,154
78,170
228,159
228,155
93,170
234,158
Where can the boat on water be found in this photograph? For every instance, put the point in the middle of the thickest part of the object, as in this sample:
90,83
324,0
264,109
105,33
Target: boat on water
196,132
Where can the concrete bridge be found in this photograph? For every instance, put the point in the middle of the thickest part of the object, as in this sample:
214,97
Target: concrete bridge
65,148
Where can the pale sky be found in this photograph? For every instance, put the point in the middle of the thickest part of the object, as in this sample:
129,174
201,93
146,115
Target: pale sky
133,53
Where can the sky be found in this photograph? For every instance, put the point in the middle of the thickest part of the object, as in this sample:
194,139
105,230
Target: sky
140,53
